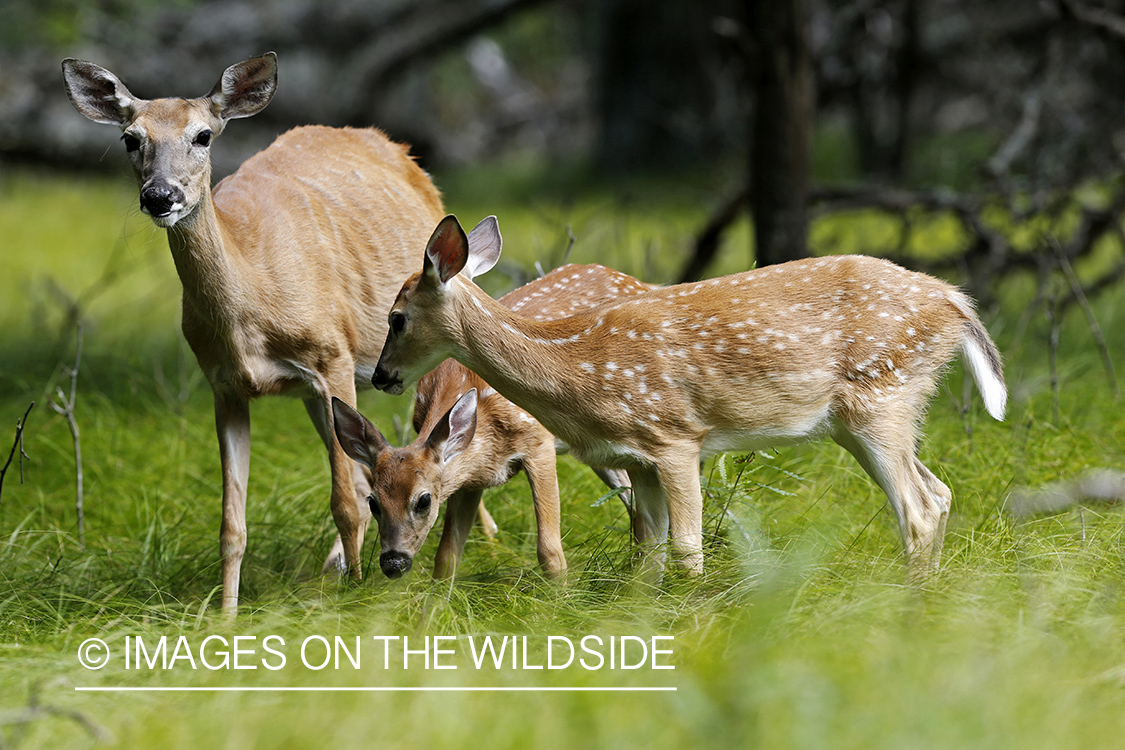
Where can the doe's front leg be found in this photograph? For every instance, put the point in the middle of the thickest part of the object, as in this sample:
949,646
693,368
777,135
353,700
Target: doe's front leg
232,423
351,520
335,563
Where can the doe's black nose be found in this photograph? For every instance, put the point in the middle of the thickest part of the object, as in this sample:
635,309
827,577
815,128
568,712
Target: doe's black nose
158,198
381,378
395,563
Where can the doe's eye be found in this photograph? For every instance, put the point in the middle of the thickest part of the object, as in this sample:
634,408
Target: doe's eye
398,322
132,142
203,139
373,503
423,505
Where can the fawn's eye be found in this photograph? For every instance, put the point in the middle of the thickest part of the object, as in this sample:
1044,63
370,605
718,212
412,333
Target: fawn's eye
423,505
132,142
203,139
373,503
398,322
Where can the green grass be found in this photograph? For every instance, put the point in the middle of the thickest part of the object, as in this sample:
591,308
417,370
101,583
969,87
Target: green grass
800,634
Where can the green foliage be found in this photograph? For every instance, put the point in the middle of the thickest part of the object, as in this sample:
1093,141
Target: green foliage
59,23
800,633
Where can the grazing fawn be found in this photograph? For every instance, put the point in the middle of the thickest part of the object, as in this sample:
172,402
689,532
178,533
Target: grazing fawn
287,265
847,347
471,438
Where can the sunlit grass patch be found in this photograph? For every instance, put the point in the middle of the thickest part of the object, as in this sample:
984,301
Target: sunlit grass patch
800,633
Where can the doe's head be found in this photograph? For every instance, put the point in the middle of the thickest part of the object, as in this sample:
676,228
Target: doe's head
420,320
169,140
407,483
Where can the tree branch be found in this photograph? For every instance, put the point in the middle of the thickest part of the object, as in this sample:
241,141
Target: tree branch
1100,18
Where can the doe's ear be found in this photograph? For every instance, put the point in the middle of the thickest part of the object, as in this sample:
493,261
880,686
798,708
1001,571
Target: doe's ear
453,432
484,247
446,252
245,88
98,94
357,436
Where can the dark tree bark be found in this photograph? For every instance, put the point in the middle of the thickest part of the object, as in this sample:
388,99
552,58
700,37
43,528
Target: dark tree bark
781,131
656,95
883,50
907,61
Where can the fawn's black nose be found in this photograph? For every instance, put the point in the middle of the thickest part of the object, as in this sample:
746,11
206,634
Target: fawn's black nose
158,198
395,563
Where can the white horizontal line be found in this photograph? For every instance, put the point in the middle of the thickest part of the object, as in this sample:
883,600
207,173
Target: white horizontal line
468,689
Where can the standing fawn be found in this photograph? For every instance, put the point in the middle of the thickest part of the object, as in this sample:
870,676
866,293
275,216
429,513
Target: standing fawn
287,265
471,438
847,347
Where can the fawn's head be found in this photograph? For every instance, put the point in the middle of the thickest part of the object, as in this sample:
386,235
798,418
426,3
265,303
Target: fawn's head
169,140
420,315
407,488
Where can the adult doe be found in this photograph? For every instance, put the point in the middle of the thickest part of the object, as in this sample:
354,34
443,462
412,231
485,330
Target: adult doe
471,438
847,347
287,266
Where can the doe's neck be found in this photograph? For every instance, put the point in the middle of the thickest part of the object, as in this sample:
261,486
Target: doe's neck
205,254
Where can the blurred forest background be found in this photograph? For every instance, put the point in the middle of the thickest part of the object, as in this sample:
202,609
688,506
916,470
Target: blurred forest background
1003,117
981,140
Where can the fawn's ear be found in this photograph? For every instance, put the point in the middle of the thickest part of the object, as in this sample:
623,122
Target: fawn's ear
357,436
453,433
484,247
98,94
245,88
446,252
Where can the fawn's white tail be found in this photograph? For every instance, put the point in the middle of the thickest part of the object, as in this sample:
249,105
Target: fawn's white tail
982,359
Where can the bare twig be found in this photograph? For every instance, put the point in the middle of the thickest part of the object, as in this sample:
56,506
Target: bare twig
1095,330
1051,311
17,445
570,241
963,404
65,406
